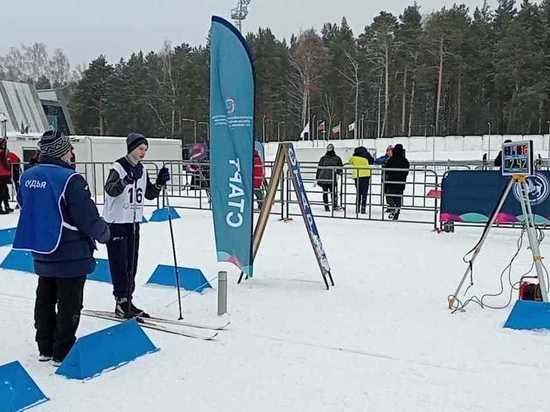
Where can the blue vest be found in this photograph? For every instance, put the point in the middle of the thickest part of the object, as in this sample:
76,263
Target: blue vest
40,194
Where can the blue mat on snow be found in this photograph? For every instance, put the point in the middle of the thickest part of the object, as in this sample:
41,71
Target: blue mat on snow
162,214
17,389
190,278
18,260
21,261
101,272
528,314
6,236
108,348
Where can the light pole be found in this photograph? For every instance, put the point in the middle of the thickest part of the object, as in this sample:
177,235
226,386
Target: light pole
4,123
194,128
433,142
268,120
312,128
489,151
240,12
207,131
279,130
263,127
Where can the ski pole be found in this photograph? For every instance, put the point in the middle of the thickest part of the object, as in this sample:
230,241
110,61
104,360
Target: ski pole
176,274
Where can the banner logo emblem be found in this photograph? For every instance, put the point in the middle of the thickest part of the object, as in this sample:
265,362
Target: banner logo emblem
539,189
230,105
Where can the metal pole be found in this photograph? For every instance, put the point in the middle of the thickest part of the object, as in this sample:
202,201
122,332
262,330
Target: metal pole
263,128
489,150
176,270
532,236
480,243
379,103
222,293
433,148
195,130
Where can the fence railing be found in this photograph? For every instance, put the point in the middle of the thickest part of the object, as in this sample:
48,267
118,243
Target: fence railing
189,188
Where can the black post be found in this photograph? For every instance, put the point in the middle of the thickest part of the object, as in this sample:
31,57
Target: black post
132,265
165,200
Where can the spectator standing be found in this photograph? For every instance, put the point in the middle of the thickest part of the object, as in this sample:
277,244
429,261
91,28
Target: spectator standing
383,159
259,177
361,176
395,176
328,170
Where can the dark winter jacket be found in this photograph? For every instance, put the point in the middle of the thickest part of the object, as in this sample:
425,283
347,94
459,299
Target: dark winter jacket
498,159
366,154
328,168
396,161
74,255
114,185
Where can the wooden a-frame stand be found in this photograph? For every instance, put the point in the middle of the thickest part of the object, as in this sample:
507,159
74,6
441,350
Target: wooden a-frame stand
286,155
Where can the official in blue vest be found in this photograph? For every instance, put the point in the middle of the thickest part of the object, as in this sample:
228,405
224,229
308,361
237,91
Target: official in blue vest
59,223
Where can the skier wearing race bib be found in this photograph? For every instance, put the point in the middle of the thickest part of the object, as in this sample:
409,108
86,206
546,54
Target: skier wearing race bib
125,190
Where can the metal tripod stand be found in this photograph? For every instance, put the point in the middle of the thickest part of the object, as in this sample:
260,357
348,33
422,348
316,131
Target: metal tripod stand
521,182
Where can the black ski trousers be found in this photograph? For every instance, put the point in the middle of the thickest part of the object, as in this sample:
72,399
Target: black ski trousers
55,331
333,190
123,251
362,188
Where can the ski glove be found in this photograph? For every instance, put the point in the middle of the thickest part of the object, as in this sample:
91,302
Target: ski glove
163,176
134,174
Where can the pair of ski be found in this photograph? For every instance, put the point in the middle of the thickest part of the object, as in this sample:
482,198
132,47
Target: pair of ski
203,331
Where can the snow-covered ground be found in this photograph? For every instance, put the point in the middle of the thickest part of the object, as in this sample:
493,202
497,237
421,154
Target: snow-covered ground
381,340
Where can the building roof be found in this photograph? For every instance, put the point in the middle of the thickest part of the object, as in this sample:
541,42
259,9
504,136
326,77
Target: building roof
21,107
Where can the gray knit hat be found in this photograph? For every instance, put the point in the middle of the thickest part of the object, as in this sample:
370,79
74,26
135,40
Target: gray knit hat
53,143
134,140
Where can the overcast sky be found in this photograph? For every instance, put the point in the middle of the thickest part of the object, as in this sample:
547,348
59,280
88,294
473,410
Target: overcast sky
86,28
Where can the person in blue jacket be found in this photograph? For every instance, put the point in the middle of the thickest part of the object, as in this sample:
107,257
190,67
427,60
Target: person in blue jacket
383,159
59,223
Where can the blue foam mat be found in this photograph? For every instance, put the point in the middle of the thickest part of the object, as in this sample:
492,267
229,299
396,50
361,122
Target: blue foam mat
108,348
21,261
528,314
18,391
190,278
162,214
7,236
102,272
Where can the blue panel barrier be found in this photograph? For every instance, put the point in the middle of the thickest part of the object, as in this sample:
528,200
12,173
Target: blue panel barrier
190,278
109,348
17,389
21,261
529,314
162,214
6,236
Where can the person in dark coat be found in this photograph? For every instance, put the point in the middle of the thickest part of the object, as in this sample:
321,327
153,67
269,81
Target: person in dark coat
328,170
5,177
394,180
498,159
59,223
